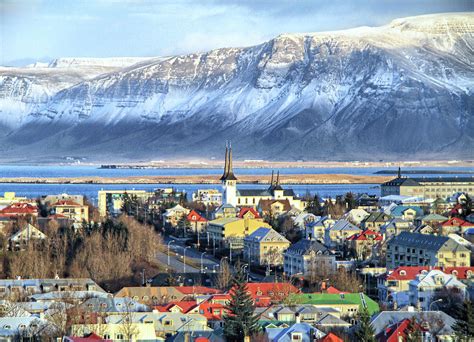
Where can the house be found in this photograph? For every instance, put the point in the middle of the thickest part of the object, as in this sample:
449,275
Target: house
25,235
230,232
331,337
356,216
375,220
226,211
111,201
438,326
48,199
273,207
304,218
72,210
455,225
290,313
395,226
422,289
130,326
208,197
330,322
347,304
19,209
393,286
308,256
24,287
152,295
362,244
265,293
265,246
397,331
87,338
197,222
27,327
338,233
430,219
414,249
408,213
316,230
303,332
113,305
249,213
173,216
10,198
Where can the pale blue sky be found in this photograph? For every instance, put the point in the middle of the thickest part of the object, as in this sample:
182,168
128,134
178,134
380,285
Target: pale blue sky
39,29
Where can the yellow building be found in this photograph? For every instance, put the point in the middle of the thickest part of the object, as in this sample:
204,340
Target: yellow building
414,249
9,198
134,331
72,210
427,187
265,247
230,232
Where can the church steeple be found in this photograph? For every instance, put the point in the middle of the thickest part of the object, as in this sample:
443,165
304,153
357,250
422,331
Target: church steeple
228,170
399,172
271,181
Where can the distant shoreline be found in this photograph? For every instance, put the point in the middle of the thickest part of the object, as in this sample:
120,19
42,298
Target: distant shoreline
294,179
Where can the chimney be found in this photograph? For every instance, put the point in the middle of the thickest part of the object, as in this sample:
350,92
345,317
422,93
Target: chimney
297,317
187,337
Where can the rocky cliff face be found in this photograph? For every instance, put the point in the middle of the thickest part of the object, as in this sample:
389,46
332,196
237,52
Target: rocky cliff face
403,90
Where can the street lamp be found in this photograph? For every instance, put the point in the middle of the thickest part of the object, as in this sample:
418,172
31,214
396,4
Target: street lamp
184,258
202,268
436,301
169,243
244,266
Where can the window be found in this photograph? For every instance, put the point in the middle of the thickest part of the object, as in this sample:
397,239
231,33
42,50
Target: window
167,323
119,336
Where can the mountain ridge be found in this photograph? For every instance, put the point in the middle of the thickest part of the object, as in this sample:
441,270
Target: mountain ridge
365,93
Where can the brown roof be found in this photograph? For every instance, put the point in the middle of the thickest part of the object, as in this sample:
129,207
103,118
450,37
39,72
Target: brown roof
265,205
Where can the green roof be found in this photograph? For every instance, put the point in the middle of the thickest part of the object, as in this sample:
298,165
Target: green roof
334,299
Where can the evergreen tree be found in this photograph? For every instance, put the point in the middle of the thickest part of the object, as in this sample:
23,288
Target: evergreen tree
365,332
413,331
240,320
464,327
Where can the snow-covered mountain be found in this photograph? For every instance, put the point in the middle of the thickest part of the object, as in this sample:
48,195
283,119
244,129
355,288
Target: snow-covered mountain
402,90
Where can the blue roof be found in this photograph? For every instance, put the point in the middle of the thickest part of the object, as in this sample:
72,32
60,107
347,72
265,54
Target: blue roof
469,231
259,234
398,210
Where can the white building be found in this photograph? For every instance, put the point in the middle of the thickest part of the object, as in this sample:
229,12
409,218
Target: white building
423,287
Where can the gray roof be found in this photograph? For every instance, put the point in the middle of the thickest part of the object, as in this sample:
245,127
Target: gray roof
304,247
424,241
386,318
331,320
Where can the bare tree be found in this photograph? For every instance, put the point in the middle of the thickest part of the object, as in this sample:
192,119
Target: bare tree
224,278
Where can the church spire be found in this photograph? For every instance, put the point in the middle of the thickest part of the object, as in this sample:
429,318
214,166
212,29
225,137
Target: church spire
399,172
228,171
226,161
271,181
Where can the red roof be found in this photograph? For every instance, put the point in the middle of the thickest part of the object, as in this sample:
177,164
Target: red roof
193,216
244,211
197,290
456,222
410,272
66,202
363,236
184,306
201,339
396,331
19,209
330,338
212,311
264,293
91,337
333,290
